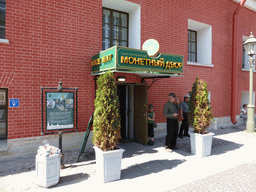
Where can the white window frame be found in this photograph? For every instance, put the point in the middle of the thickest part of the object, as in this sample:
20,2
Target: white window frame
204,43
134,19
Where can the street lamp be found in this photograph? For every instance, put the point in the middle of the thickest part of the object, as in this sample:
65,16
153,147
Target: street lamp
250,48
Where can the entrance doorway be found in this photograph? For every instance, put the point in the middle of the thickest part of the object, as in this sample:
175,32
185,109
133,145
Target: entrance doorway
133,111
3,118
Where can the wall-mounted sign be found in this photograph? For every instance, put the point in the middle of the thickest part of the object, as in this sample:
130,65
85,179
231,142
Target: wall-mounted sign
133,60
59,110
14,102
151,46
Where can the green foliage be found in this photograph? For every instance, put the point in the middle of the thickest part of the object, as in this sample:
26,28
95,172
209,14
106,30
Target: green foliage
106,120
200,113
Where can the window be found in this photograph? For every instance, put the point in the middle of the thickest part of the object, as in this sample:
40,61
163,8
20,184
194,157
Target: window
133,22
114,28
192,46
199,43
2,19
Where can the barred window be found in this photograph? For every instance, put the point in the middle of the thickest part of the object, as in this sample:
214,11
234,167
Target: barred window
2,19
114,28
192,46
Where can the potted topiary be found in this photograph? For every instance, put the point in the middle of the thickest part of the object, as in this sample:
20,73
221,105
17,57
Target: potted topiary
200,116
106,129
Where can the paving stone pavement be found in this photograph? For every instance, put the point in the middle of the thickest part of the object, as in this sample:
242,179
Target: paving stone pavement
239,179
19,164
151,164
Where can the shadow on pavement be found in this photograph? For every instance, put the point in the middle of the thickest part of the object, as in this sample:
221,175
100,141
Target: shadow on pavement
149,167
86,156
134,149
219,146
225,146
21,164
17,165
80,164
227,130
67,180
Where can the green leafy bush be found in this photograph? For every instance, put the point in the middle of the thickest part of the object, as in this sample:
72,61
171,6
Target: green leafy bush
200,114
106,120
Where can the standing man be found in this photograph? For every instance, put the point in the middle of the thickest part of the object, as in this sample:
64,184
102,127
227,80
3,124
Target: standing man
171,109
184,126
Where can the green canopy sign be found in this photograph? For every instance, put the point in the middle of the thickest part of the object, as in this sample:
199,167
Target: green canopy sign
125,59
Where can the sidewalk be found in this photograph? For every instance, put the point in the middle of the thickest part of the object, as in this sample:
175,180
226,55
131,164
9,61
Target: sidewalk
231,167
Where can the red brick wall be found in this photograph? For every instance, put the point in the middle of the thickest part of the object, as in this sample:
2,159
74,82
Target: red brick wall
169,27
53,40
49,41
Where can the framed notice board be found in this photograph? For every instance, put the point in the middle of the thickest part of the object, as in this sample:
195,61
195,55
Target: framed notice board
59,110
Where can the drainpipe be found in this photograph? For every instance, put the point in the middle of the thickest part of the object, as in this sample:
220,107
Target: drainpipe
234,63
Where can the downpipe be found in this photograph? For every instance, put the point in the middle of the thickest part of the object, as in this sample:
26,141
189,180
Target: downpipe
234,63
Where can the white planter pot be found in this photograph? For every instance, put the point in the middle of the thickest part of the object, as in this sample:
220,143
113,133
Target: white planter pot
201,144
108,164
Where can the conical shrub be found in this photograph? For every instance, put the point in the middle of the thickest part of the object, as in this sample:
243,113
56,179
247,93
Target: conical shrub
200,114
106,120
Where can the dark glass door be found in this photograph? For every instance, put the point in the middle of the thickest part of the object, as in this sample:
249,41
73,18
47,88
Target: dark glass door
122,94
3,113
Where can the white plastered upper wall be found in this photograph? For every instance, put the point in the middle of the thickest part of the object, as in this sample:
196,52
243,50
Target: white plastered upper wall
250,4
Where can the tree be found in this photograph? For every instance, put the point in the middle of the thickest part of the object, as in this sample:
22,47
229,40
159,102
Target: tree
200,114
106,121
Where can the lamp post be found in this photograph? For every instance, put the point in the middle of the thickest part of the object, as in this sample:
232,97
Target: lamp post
250,48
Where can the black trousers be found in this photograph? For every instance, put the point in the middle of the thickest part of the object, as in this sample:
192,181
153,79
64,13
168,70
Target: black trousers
172,132
150,129
184,126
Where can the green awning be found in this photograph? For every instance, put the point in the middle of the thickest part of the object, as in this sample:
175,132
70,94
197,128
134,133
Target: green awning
127,60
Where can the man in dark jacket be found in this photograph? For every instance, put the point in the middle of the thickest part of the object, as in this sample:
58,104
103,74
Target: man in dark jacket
185,109
171,109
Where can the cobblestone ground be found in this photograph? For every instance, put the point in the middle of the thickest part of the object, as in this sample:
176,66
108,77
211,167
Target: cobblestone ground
240,179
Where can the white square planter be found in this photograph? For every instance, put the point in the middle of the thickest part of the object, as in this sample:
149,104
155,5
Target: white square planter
108,164
47,170
201,144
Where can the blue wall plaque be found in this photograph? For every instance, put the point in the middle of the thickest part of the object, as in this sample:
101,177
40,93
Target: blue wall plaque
14,102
